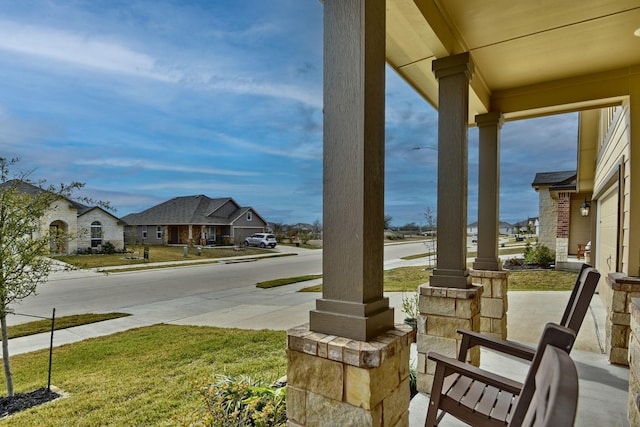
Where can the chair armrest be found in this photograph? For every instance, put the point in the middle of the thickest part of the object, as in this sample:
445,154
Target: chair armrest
471,339
452,365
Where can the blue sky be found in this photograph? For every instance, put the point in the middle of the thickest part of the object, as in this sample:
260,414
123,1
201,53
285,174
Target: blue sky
147,100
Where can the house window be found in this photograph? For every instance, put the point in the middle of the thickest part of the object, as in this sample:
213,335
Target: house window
249,216
159,232
96,234
144,231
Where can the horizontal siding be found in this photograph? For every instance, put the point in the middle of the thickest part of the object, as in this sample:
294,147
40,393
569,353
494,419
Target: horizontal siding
612,151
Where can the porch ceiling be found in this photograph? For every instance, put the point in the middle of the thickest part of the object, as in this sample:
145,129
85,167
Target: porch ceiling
531,57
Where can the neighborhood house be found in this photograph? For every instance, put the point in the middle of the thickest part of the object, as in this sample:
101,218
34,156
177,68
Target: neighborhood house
193,220
89,227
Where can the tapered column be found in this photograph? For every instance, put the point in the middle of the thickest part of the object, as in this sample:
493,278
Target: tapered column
489,125
352,303
454,74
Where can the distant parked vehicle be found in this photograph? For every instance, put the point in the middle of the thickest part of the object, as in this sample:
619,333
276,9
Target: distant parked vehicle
263,240
474,238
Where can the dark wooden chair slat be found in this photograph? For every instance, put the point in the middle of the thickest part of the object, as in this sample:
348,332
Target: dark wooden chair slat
459,389
503,406
488,401
474,394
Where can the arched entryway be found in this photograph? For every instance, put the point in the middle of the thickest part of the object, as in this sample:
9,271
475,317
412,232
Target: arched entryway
57,241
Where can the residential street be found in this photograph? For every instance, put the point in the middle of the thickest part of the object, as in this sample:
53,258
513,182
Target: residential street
171,295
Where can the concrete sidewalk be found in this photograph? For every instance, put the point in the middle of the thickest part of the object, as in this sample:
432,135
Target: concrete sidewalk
603,387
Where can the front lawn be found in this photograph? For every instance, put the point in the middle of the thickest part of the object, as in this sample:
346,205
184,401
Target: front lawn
407,279
156,254
145,376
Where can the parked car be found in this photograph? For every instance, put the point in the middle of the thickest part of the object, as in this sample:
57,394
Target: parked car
263,240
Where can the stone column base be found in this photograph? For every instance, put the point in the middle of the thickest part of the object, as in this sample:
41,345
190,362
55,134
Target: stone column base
633,406
442,312
616,295
494,302
338,381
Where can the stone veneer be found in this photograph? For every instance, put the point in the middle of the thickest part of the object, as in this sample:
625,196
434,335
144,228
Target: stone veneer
633,407
339,381
494,302
442,312
617,295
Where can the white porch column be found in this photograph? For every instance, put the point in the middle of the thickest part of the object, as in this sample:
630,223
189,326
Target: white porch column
489,125
454,74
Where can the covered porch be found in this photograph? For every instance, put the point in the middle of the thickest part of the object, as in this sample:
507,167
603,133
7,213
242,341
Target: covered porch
479,64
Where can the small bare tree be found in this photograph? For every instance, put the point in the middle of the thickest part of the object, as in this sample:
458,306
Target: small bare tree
24,245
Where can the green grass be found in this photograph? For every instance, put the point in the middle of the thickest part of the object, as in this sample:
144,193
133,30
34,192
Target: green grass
156,254
403,279
407,279
146,376
542,280
502,251
64,322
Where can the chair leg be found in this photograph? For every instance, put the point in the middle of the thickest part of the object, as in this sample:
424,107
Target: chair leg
434,398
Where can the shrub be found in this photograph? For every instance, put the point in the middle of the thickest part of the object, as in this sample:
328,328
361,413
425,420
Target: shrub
395,236
108,248
410,306
238,401
541,255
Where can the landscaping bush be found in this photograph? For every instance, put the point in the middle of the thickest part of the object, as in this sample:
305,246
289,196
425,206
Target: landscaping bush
238,401
395,236
541,255
108,248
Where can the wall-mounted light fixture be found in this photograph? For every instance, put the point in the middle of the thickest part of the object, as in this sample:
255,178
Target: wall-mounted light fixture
585,207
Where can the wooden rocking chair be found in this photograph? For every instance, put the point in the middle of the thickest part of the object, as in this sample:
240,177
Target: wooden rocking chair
548,396
572,318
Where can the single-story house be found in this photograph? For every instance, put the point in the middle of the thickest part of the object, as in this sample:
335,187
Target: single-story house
193,220
87,226
562,226
503,228
528,226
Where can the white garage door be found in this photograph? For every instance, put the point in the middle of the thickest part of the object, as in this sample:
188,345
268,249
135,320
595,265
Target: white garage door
608,232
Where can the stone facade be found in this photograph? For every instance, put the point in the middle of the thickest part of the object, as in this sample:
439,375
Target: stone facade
562,250
339,381
494,302
442,312
548,213
112,229
633,408
617,296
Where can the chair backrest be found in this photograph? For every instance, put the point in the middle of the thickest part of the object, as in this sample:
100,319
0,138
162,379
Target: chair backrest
554,335
555,400
580,298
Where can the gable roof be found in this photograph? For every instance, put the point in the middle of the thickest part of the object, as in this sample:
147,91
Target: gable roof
28,188
86,209
562,180
185,210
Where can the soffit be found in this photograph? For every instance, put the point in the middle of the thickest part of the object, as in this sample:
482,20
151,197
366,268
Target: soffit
531,57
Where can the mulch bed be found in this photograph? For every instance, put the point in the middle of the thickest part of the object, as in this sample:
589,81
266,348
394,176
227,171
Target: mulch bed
21,401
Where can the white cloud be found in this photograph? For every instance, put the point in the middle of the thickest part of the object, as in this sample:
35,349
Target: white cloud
78,50
87,50
159,166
